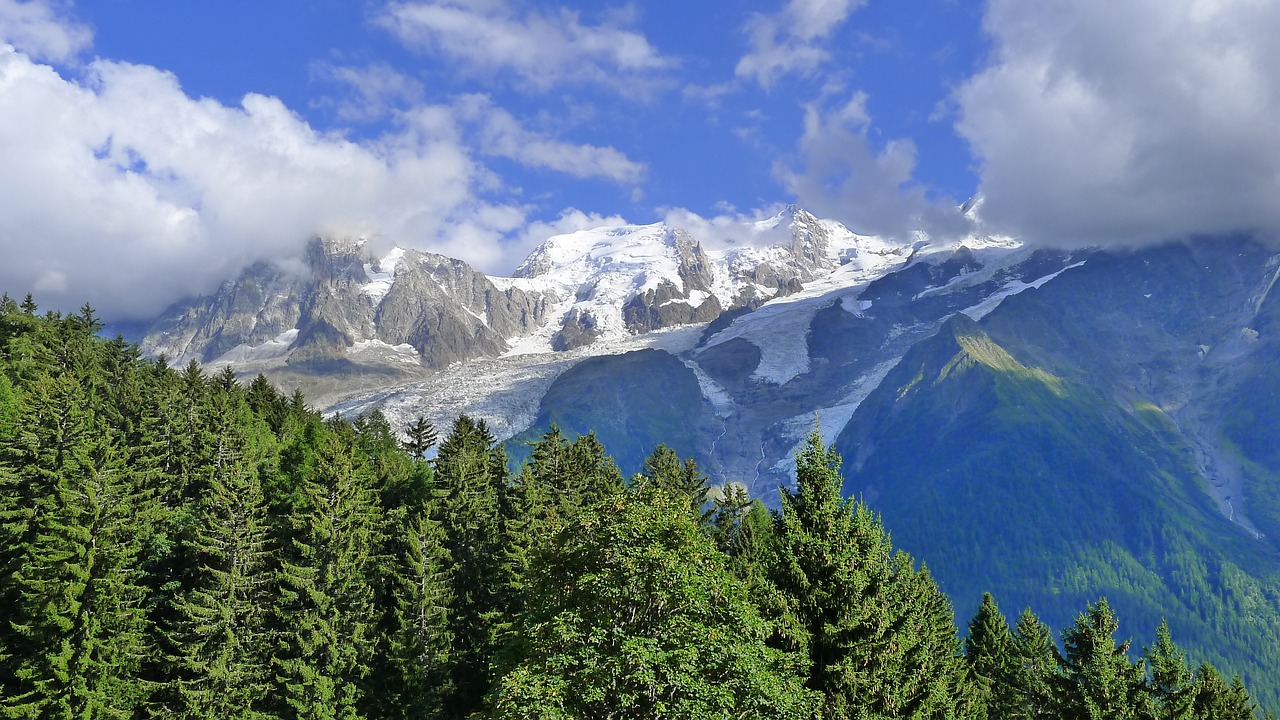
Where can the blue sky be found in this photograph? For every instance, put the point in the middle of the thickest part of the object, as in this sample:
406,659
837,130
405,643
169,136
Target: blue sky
173,142
706,135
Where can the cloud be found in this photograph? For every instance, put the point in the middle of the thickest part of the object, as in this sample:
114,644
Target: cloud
375,90
791,41
500,134
1097,121
36,29
842,175
123,191
542,48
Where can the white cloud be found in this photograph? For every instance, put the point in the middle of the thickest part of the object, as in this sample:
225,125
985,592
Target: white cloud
123,191
842,175
375,90
35,28
543,48
1102,121
501,135
792,40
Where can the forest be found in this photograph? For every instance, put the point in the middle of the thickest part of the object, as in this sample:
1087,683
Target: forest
180,544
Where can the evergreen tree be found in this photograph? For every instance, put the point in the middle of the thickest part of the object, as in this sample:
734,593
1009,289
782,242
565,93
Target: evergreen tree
1218,700
878,633
1171,683
325,613
220,653
73,524
994,663
664,469
1038,660
422,436
633,615
1098,681
476,505
744,532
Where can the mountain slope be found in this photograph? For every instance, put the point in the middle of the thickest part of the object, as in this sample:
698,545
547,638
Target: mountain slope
1065,447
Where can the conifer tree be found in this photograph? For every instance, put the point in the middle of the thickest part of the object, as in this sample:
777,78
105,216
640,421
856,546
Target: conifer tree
664,469
325,612
1216,699
476,505
1098,681
422,436
878,633
219,662
1171,683
74,524
991,656
1038,660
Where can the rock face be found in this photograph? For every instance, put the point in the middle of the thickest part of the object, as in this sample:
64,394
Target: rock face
437,308
405,308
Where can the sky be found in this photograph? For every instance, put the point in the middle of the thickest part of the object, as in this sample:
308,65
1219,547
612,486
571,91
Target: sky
152,149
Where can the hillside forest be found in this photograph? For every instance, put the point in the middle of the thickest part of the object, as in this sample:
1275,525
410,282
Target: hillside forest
177,544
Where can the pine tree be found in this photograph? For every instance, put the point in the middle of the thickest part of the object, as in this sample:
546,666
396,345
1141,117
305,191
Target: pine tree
1171,685
664,469
1098,681
422,436
878,633
990,652
218,632
476,505
1218,700
1038,660
325,614
75,527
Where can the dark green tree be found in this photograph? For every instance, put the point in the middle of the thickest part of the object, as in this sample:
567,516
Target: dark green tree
632,614
993,661
1216,699
475,508
219,661
1038,660
325,613
1098,680
421,437
878,633
1171,683
664,469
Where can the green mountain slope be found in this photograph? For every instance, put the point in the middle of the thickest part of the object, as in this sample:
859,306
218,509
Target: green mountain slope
1089,439
633,402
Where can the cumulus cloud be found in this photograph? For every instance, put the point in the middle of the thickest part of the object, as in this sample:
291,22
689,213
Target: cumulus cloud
542,48
123,190
500,134
791,41
36,29
1098,121
374,91
841,175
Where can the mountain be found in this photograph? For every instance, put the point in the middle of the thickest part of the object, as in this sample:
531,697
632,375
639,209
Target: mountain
1100,435
1049,425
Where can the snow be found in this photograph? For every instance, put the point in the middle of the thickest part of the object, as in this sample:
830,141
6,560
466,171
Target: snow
381,275
272,349
1013,287
505,391
377,350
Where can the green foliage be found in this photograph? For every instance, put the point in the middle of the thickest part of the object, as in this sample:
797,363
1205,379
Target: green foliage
878,633
177,545
633,615
1098,680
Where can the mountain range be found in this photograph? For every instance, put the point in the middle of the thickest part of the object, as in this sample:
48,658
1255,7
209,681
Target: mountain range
1050,425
